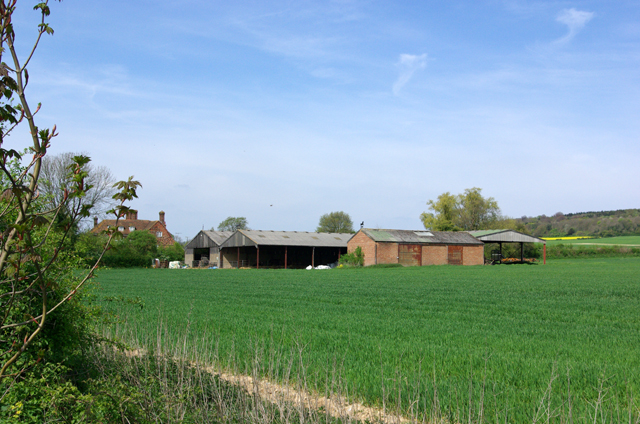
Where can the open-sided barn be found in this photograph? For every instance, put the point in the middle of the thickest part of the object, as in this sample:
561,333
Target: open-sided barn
416,248
205,246
508,236
281,249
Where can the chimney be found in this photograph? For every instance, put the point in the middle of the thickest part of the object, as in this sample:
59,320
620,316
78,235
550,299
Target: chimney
132,215
95,221
162,217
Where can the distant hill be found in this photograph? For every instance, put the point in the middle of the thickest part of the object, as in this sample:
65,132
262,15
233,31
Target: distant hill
600,224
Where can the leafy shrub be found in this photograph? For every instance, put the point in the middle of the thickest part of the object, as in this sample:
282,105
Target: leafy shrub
175,252
355,258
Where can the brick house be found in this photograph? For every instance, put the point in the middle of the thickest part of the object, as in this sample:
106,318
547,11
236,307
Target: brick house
417,248
132,223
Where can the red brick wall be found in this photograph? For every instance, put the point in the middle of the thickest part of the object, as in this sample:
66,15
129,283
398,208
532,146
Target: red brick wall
473,255
366,244
435,254
387,253
166,239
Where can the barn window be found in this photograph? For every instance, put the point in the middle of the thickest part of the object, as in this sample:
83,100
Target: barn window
120,228
132,228
158,233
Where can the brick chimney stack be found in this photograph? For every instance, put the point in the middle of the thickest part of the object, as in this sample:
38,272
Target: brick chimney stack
162,217
132,215
95,221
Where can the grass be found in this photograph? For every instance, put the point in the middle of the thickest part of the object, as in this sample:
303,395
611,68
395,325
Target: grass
502,340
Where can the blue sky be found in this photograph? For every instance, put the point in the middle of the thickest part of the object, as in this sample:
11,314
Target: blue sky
282,111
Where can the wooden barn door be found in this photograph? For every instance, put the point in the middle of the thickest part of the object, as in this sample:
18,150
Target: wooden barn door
455,255
410,254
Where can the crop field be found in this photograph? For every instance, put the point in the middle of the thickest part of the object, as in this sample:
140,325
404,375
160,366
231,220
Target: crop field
620,241
506,342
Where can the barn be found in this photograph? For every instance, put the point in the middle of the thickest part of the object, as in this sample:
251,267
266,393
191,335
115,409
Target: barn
508,236
205,246
281,249
417,248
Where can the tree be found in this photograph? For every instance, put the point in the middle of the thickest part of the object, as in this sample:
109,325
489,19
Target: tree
445,214
477,212
55,180
39,286
467,211
233,223
335,222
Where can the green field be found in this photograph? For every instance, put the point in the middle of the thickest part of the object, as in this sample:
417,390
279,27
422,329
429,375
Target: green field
457,339
621,241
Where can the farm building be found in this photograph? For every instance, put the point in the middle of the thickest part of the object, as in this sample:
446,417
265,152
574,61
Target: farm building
281,249
132,223
416,248
205,246
508,236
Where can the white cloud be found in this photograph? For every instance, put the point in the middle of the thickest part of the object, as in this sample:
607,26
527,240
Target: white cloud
575,20
408,64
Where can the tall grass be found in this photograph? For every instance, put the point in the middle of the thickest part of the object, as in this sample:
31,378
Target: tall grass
184,379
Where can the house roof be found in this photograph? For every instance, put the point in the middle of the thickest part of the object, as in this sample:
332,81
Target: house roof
138,224
129,225
286,238
208,239
420,236
504,236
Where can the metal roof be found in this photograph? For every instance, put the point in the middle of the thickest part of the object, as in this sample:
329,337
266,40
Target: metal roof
208,239
504,236
286,238
420,236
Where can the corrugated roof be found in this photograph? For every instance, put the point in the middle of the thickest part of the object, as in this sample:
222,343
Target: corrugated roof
505,236
286,238
218,237
215,238
420,236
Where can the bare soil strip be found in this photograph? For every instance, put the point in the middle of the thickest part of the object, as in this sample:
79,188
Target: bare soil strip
336,406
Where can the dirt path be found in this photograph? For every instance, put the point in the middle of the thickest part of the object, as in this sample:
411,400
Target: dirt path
337,407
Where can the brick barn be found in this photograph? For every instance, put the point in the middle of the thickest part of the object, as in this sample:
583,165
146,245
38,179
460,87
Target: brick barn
417,248
205,246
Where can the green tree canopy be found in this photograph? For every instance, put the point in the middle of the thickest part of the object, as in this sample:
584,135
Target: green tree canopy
335,222
467,211
233,223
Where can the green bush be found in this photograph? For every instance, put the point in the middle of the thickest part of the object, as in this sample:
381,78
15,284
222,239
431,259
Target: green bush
355,258
175,252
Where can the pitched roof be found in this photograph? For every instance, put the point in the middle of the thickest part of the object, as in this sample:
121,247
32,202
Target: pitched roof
420,236
138,224
505,236
208,239
286,238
